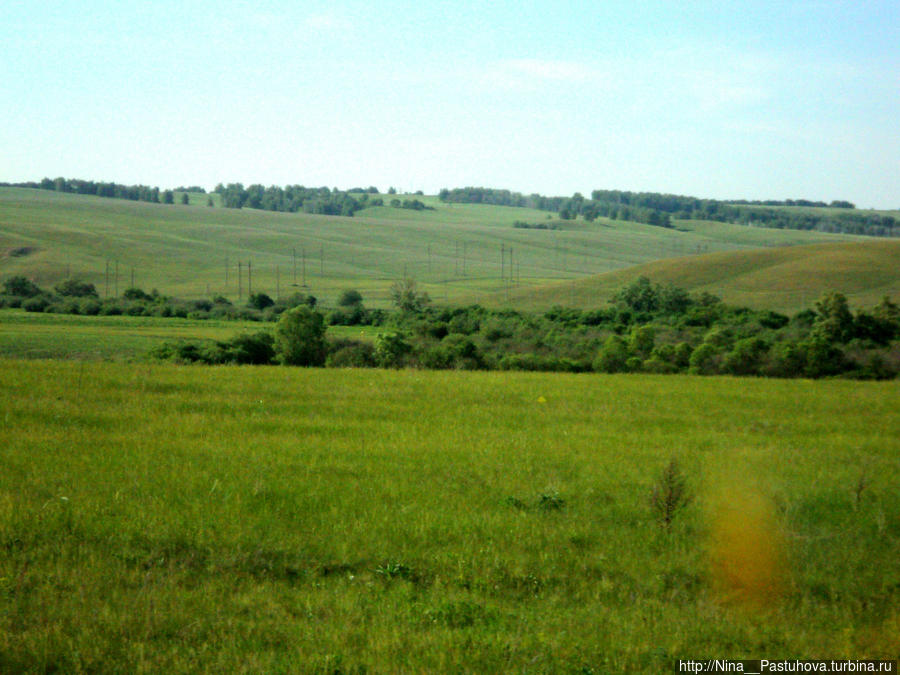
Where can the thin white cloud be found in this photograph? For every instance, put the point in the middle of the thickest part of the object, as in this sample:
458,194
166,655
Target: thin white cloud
563,71
322,22
535,74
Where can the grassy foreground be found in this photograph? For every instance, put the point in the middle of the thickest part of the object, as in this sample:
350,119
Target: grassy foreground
164,519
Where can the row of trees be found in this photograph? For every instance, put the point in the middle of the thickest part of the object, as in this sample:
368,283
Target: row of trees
143,193
73,296
648,328
294,198
841,218
660,209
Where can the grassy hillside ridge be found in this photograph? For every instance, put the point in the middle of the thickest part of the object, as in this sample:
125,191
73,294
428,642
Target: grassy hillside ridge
454,251
784,279
164,519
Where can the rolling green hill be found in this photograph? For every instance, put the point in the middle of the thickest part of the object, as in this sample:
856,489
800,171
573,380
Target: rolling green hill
784,278
458,252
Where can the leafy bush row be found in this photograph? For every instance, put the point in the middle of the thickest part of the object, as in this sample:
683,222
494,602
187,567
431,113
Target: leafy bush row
648,328
77,297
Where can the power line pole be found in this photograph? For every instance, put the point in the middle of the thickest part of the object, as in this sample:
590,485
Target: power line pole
249,278
502,261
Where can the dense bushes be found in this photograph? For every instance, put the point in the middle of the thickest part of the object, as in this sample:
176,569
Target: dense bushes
648,328
655,329
76,297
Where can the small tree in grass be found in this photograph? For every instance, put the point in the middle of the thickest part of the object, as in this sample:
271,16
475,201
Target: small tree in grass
350,298
407,297
669,495
260,301
300,337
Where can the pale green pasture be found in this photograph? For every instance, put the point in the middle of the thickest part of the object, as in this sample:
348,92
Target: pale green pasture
36,335
458,252
235,519
40,336
783,278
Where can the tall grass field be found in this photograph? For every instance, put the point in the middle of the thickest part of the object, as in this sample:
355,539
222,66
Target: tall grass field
156,518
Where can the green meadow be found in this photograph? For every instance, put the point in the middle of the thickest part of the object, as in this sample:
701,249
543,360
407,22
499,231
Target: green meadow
33,335
156,518
784,279
160,518
460,253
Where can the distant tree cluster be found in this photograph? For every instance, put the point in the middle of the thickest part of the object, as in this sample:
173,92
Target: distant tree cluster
659,210
843,218
294,198
568,208
141,193
523,225
413,204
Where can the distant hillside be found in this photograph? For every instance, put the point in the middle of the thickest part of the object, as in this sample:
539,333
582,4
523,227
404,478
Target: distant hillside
662,210
460,253
784,278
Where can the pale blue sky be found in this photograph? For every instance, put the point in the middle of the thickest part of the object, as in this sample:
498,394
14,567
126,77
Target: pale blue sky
714,99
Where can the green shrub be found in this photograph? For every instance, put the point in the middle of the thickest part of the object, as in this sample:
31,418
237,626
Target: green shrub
613,356
746,357
258,301
640,343
110,308
350,354
821,357
350,298
136,294
300,337
250,348
786,360
38,303
705,360
76,289
391,349
89,307
21,287
659,366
